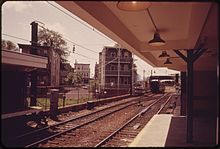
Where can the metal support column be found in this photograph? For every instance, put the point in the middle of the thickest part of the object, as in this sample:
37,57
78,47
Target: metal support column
183,94
189,95
190,59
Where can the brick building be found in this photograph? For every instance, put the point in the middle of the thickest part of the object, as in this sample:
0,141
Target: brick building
84,70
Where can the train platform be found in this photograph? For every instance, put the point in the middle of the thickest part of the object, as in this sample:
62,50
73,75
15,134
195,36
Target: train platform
31,110
167,130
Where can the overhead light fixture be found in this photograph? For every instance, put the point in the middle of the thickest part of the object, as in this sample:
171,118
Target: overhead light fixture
164,54
168,62
156,41
133,5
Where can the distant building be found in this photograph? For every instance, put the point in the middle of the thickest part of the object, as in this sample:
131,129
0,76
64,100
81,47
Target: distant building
115,74
84,70
96,71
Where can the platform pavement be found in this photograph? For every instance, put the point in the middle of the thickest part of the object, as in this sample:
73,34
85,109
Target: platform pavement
167,130
163,130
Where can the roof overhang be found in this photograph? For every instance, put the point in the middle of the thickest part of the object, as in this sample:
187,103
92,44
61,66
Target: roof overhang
181,24
23,60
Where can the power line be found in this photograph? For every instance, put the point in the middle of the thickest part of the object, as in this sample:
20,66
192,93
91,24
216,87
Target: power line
93,29
30,41
15,37
72,41
84,56
80,45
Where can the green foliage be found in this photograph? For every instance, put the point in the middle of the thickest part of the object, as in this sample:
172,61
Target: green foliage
54,39
74,78
8,45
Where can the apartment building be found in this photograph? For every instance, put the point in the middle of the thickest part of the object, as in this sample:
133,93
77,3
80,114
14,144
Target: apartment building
115,71
84,70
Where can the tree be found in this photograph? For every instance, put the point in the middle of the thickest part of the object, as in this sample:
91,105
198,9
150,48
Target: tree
9,45
54,39
74,78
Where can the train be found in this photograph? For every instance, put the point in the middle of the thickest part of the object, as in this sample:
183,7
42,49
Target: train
156,86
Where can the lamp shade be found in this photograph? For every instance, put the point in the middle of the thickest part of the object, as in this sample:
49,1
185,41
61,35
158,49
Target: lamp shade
133,5
156,41
168,62
164,54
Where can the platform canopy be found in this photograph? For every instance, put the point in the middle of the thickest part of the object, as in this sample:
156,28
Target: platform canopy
182,25
22,61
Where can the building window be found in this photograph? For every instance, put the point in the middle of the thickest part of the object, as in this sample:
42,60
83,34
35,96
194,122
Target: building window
125,67
113,54
122,67
126,55
112,67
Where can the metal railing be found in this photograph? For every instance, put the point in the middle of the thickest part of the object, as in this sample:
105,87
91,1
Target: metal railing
115,85
115,72
122,59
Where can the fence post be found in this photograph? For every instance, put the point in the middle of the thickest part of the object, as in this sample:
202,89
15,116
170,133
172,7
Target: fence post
54,102
64,98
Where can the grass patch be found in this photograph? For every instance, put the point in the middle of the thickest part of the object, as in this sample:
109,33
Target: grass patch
45,102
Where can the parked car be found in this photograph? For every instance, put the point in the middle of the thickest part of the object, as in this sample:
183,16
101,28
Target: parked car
139,90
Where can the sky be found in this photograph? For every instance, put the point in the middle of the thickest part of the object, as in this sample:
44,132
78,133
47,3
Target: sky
17,16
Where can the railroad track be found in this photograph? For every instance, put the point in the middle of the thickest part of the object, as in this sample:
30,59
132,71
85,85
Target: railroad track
129,130
47,133
169,106
88,135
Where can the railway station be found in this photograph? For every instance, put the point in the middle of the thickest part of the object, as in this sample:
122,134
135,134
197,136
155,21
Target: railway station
185,116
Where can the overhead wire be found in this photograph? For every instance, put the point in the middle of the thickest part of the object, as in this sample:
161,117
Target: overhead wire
72,41
15,37
30,41
84,56
92,28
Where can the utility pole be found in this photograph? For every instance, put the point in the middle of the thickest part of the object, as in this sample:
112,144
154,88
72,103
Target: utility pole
34,39
119,55
132,77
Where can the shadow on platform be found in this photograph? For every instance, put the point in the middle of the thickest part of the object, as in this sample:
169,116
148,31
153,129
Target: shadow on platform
203,133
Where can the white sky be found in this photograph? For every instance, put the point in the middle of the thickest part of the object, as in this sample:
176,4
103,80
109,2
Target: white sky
17,16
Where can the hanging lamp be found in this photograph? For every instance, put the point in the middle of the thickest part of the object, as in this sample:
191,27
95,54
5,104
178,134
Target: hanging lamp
164,55
156,41
133,5
168,62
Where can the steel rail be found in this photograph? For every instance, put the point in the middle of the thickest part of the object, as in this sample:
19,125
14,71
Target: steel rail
129,121
78,126
72,119
163,105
